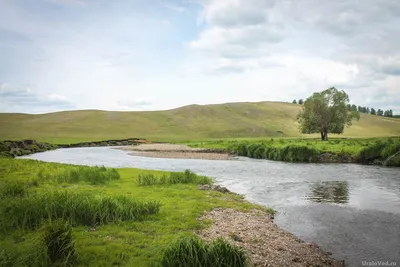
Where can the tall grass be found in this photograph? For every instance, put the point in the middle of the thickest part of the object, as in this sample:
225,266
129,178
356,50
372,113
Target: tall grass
13,189
288,152
78,208
192,251
58,245
91,175
51,245
186,177
380,150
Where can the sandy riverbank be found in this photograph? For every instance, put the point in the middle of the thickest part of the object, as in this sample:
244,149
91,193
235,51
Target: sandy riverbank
176,151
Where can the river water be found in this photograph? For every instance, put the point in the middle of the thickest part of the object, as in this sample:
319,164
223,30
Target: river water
350,210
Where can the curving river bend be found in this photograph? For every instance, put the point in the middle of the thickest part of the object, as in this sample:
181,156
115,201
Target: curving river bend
350,210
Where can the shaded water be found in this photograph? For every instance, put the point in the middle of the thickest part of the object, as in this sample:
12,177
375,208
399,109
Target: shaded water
350,210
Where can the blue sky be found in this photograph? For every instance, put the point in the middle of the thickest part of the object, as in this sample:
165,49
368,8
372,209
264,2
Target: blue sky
144,55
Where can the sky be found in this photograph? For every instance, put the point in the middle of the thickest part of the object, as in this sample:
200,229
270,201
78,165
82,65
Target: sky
161,54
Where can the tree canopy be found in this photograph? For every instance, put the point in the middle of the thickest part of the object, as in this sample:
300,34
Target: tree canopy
326,112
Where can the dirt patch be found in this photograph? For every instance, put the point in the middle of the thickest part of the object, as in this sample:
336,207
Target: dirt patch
267,244
177,151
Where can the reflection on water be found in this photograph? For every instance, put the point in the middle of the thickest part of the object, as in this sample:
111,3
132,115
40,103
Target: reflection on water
329,192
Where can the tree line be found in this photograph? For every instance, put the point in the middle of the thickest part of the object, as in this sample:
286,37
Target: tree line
372,111
366,110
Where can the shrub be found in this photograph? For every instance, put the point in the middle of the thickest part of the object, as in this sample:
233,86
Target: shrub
192,251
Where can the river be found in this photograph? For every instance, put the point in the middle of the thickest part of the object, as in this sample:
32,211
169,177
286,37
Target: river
350,210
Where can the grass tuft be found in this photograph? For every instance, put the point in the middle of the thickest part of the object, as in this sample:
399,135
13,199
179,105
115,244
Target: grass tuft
186,177
192,251
91,175
59,247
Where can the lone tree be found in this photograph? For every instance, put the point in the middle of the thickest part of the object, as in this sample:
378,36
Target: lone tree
326,112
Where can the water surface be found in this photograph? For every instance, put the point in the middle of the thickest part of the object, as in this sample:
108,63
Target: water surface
350,210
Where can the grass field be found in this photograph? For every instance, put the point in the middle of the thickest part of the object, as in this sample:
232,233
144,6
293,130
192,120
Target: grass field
118,221
209,122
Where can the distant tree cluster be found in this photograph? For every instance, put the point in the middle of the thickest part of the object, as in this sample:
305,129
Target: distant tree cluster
372,111
300,102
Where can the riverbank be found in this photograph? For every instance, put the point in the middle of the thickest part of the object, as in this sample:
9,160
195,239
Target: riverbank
267,244
11,148
377,151
177,151
136,242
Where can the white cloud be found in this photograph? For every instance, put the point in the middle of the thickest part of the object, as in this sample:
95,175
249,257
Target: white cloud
140,55
24,99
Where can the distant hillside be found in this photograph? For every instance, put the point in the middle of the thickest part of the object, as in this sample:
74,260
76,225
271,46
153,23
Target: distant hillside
231,120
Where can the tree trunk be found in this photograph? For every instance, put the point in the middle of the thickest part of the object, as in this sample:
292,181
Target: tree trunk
324,136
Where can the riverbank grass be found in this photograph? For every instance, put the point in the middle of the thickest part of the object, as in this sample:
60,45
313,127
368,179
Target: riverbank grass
117,223
312,150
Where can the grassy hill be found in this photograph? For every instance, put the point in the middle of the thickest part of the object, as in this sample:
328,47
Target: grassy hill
194,122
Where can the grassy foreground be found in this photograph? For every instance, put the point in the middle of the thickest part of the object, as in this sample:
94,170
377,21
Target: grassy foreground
101,217
195,122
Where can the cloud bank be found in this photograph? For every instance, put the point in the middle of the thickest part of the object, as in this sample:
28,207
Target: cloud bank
117,55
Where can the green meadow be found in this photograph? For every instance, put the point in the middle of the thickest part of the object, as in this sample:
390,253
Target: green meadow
194,122
64,215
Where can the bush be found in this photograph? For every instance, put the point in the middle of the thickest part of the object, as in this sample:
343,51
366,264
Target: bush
192,251
78,208
186,177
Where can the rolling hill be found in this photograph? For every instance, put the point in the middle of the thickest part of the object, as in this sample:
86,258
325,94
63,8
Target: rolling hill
194,122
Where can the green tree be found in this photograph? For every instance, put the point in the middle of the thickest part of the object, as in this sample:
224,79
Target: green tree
294,102
368,111
301,101
380,112
353,107
326,112
373,111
